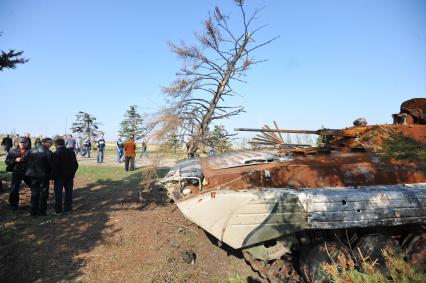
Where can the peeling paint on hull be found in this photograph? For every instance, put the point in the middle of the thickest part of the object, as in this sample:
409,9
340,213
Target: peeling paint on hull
246,217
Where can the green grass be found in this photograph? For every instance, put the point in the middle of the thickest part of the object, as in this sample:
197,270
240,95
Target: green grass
93,172
3,173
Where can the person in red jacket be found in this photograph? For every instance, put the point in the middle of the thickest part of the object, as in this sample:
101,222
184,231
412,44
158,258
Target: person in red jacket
130,154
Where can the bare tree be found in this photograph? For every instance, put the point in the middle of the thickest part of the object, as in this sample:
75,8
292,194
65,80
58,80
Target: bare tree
197,97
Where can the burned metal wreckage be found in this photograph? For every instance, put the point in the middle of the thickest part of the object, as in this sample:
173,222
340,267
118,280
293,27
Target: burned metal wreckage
291,211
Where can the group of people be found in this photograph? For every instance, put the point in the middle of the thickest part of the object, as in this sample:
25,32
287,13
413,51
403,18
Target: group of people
84,146
125,150
36,166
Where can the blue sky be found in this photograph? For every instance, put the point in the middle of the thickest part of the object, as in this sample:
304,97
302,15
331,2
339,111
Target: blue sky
335,61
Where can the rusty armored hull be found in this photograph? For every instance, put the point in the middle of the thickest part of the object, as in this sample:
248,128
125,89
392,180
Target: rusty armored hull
244,204
280,208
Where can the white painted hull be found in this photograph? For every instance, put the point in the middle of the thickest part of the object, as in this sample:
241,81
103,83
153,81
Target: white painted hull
243,218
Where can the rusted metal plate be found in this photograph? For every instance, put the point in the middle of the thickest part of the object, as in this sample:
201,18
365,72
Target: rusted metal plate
416,108
333,170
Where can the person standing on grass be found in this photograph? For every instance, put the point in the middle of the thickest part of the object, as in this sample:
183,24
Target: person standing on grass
78,147
16,140
16,161
88,146
130,154
70,142
144,150
120,149
64,166
38,169
101,148
7,143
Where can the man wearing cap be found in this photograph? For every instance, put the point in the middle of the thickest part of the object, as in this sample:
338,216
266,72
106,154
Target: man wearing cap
64,166
16,161
38,168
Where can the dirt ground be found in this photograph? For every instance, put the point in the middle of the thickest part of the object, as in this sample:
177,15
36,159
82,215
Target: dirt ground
116,233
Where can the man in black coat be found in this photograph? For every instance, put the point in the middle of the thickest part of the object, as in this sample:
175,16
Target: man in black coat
38,169
64,166
16,162
7,143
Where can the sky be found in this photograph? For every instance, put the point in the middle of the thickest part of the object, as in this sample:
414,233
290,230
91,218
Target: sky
334,61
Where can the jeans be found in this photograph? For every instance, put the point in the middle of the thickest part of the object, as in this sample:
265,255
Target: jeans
39,196
88,151
17,179
100,157
68,184
80,150
129,160
120,152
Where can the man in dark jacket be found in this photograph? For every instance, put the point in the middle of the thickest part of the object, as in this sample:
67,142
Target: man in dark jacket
7,143
38,168
16,161
64,166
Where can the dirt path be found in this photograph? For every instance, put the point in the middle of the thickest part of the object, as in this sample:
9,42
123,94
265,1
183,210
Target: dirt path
111,236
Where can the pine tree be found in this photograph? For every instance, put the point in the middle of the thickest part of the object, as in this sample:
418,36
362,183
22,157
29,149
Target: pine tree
9,59
173,143
132,125
219,139
86,124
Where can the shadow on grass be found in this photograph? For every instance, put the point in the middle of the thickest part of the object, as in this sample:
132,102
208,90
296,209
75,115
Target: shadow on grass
53,248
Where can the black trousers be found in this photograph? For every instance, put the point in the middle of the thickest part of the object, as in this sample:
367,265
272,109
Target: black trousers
39,196
17,179
129,160
60,184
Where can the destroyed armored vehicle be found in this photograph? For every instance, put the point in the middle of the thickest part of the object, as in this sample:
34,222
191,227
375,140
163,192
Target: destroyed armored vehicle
291,211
